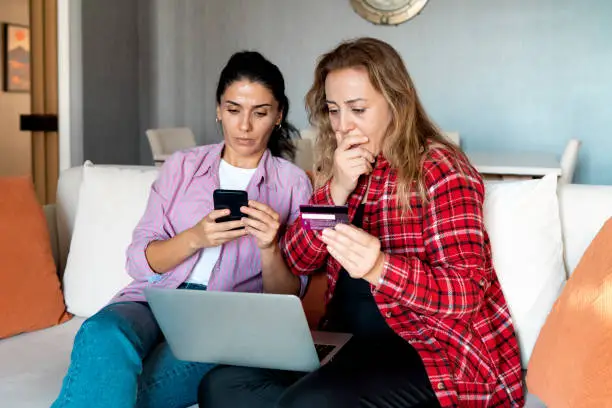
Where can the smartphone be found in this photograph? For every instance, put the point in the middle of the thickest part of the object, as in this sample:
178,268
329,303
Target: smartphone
232,200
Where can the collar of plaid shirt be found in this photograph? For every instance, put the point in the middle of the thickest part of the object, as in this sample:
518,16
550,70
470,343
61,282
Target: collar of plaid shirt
438,289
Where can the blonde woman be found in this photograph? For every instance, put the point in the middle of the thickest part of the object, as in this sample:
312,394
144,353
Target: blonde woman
412,277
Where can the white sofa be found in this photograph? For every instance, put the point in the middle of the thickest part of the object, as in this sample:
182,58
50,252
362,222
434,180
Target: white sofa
33,365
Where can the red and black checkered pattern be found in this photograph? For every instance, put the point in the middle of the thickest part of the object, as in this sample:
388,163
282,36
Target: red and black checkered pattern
438,289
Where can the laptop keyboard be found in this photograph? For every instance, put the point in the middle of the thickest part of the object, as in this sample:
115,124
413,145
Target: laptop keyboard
323,350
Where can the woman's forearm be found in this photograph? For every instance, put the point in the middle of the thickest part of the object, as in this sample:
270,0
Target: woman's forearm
164,256
277,278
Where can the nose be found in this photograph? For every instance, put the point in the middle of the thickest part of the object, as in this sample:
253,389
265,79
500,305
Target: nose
245,123
346,123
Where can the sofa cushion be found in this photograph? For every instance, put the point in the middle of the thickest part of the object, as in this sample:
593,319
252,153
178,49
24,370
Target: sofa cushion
111,202
523,222
34,364
572,361
314,299
30,294
532,401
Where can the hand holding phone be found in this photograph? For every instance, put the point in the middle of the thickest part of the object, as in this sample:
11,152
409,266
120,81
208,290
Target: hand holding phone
260,220
211,233
263,223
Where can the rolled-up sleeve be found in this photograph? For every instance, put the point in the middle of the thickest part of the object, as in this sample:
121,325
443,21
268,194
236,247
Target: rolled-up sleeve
153,226
302,191
304,252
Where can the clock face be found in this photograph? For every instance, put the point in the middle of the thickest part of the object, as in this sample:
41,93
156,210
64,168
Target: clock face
388,12
387,5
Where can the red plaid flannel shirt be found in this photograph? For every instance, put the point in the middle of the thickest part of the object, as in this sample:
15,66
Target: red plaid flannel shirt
438,288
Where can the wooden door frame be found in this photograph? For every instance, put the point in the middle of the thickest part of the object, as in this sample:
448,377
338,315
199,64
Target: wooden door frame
56,71
43,98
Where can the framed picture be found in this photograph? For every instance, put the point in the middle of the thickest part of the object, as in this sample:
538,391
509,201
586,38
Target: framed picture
16,57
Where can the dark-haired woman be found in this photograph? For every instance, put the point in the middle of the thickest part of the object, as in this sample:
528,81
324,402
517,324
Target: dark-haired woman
119,359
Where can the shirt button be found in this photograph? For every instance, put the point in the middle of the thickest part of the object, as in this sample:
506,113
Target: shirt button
388,315
440,386
482,282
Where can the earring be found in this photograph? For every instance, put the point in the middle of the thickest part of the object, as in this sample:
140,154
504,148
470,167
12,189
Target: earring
280,126
217,120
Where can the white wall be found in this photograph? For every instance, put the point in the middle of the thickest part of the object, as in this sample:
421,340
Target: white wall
505,74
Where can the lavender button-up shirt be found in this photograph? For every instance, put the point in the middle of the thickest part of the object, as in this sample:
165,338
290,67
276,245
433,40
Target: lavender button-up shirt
183,194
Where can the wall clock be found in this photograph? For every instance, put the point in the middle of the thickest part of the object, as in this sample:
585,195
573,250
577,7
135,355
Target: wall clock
388,12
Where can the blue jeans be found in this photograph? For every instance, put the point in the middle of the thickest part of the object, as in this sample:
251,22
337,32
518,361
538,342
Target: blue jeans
120,360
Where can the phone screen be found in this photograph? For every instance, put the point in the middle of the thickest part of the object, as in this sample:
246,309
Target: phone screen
232,200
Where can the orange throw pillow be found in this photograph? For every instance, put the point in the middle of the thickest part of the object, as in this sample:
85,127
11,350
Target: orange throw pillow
30,294
571,364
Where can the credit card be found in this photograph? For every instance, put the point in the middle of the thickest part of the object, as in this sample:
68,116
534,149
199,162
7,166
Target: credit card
318,217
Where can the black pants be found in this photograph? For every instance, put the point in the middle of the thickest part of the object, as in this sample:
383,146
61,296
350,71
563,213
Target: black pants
364,373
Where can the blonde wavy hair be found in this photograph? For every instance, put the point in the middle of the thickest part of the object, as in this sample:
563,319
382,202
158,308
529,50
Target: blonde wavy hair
411,133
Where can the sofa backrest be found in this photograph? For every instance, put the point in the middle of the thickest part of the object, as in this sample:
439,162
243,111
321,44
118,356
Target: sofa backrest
583,209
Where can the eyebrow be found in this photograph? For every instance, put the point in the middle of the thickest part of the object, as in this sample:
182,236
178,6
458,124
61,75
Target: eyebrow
350,101
263,105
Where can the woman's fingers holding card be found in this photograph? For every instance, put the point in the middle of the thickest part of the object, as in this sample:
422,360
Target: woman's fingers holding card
356,250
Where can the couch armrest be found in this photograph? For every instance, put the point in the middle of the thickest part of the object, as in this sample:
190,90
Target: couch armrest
52,226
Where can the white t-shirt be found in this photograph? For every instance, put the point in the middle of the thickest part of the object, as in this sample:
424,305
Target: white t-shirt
230,178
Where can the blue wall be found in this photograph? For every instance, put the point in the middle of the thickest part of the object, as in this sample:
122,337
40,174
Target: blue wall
507,74
522,76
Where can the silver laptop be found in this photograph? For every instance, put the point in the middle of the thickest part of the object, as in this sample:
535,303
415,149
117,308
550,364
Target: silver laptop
245,329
